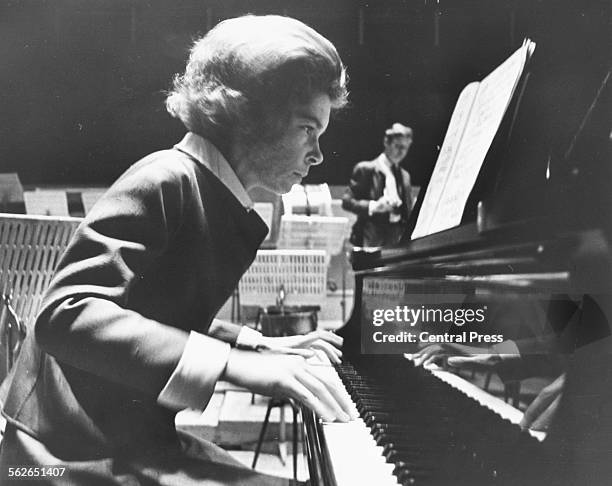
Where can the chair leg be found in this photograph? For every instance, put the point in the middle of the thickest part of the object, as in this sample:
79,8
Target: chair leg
282,435
516,394
295,441
487,382
262,433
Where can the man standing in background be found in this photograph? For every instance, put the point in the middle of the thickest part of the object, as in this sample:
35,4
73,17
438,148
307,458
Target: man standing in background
379,192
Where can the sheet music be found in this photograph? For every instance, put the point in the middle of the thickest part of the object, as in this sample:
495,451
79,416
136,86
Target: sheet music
445,160
492,100
46,203
461,158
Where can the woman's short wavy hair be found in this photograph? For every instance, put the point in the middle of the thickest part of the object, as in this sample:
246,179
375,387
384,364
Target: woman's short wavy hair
246,72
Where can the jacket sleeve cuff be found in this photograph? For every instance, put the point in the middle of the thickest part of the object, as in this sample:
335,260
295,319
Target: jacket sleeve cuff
192,383
224,331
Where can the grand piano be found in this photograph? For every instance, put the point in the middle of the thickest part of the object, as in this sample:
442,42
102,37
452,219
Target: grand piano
537,223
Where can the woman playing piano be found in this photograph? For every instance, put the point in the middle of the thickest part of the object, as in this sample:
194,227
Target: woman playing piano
126,335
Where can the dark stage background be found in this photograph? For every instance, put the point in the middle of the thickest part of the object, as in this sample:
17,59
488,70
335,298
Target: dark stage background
82,82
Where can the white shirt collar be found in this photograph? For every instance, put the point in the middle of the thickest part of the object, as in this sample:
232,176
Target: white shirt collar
384,163
209,156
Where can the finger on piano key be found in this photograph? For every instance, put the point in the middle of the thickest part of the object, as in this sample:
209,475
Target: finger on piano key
329,376
319,359
326,394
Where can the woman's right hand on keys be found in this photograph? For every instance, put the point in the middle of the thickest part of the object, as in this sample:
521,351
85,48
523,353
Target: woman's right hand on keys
285,375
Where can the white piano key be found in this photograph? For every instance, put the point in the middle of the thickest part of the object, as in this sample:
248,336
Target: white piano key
355,457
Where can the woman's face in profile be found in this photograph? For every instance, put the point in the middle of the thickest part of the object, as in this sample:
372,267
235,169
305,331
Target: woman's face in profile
284,161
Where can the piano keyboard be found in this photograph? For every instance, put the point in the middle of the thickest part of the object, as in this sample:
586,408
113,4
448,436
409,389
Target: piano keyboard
413,428
501,408
354,455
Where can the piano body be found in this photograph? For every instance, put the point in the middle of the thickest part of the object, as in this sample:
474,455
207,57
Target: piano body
537,224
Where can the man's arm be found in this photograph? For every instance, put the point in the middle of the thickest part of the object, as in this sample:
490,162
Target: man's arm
355,198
